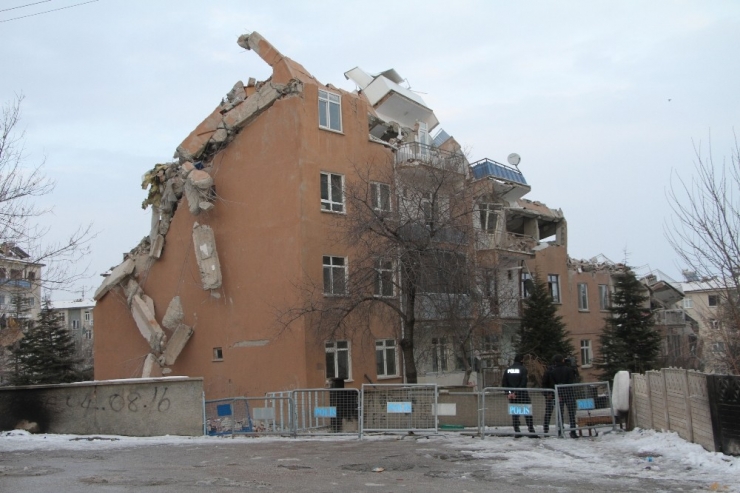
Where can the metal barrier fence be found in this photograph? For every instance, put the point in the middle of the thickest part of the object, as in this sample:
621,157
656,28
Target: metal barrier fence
327,411
249,416
530,412
588,406
399,408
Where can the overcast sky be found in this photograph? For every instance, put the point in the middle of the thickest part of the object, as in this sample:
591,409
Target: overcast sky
604,101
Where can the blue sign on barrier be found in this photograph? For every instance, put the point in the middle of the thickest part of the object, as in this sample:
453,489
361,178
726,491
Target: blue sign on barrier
585,404
398,407
520,409
325,412
224,410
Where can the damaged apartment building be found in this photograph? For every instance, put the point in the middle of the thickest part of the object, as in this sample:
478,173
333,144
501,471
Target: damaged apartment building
246,214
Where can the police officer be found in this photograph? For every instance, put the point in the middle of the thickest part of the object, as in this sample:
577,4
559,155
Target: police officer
516,377
560,373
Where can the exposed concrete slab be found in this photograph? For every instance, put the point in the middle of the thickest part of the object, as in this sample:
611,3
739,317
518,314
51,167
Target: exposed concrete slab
156,248
146,323
176,344
173,317
254,105
206,255
257,343
116,276
131,289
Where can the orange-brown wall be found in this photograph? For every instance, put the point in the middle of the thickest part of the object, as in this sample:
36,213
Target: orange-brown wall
270,236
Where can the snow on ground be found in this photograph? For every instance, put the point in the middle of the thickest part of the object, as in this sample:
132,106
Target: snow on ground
635,454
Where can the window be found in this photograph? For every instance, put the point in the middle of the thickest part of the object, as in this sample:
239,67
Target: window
332,192
488,218
337,360
75,324
384,278
428,208
87,334
385,358
218,354
30,301
440,354
87,316
688,302
330,110
582,296
31,275
527,284
380,194
712,300
586,354
714,324
553,285
603,297
718,347
15,274
335,275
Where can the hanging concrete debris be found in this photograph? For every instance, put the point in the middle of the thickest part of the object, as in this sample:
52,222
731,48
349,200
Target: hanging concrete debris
117,275
175,345
141,309
198,191
173,316
151,367
156,248
206,256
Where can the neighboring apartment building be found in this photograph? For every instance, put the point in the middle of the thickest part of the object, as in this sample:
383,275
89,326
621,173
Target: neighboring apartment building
703,303
20,298
77,316
248,214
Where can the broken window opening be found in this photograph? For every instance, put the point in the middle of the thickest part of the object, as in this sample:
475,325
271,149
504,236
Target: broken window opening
527,284
488,218
330,111
335,275
385,358
338,360
332,192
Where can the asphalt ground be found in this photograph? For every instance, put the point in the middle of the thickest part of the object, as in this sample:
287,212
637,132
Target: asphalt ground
375,464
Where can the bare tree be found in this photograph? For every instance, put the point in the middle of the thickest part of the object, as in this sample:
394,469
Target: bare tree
20,185
705,233
410,230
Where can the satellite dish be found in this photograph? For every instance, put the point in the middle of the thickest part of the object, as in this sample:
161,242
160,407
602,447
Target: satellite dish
514,159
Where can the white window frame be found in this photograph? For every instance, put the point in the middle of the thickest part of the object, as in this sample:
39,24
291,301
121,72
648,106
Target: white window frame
87,334
587,354
87,316
75,324
329,200
526,276
327,101
553,286
334,269
386,351
385,275
582,296
376,196
218,354
603,297
688,302
336,349
488,217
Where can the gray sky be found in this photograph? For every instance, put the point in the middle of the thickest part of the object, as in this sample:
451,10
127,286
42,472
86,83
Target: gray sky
603,100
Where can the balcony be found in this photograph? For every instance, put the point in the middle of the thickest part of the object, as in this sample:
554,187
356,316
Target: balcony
669,317
511,242
16,283
488,167
414,153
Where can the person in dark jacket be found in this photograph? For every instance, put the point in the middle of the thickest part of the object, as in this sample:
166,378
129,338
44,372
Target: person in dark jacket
515,377
560,373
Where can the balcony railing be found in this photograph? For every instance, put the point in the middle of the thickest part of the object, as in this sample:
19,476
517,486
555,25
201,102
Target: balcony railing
670,317
16,283
416,153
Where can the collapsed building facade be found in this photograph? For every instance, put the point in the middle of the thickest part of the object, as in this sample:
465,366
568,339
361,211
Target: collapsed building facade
247,211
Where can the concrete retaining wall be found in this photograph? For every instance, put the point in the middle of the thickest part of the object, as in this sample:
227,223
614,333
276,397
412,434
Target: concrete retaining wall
134,407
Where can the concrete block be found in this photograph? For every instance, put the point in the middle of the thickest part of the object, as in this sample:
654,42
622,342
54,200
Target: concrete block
176,344
151,367
206,255
200,179
147,325
205,206
253,106
131,289
116,276
193,196
173,316
156,249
